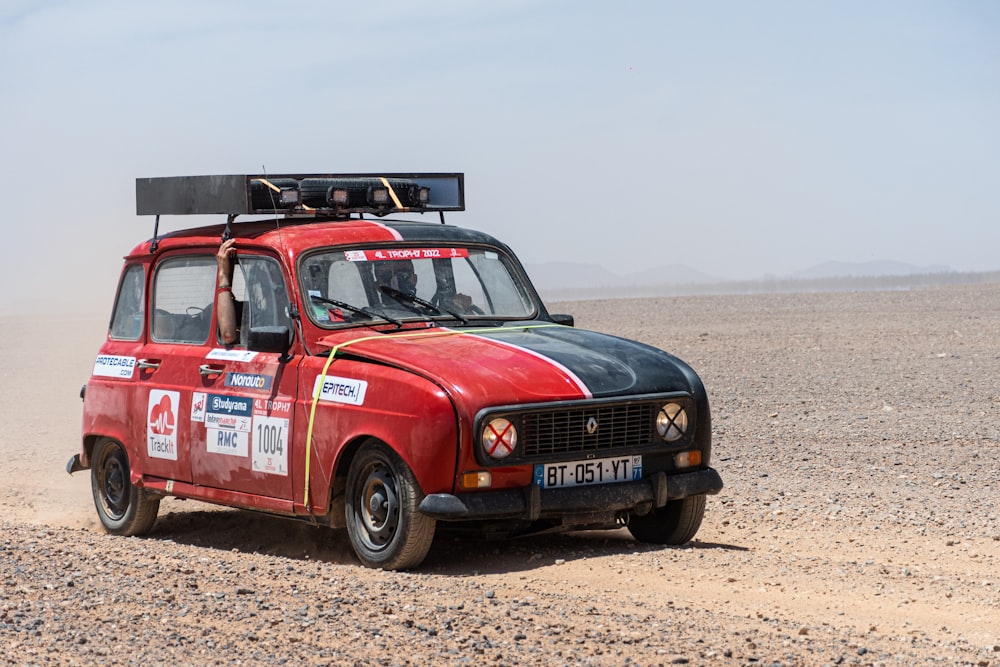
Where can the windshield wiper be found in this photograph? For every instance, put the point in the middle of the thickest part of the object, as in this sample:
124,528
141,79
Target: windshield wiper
367,311
413,299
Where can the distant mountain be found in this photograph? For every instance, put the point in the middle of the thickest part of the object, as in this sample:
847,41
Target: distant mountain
574,275
577,275
867,269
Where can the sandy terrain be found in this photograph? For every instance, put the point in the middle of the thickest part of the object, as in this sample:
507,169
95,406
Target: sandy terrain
857,434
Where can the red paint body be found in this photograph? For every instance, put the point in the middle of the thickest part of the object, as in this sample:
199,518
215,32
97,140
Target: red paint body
424,385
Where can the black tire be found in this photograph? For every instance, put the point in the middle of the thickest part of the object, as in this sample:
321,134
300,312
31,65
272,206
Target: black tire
386,528
122,508
675,523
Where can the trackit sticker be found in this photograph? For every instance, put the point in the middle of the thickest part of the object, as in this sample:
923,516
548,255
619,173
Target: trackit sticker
161,424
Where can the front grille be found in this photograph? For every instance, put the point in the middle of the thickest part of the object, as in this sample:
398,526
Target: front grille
565,431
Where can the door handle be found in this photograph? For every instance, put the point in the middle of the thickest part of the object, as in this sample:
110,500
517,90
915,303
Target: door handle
148,364
209,371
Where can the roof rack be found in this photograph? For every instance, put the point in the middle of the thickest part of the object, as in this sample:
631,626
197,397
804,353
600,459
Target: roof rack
337,195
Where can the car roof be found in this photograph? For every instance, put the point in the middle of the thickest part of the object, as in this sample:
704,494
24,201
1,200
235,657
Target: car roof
293,236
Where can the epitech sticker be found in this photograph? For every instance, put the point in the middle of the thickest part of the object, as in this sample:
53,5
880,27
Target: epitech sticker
161,424
111,366
340,390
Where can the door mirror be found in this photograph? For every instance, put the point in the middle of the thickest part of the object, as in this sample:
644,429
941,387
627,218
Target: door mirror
269,339
563,319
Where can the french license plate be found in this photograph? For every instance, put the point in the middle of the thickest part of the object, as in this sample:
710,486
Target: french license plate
593,471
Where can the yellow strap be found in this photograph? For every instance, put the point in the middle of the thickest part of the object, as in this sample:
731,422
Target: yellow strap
267,183
415,334
392,193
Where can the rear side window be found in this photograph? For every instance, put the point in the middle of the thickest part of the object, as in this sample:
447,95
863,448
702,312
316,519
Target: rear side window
183,292
130,305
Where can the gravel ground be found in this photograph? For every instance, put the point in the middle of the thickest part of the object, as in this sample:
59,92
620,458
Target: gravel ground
856,433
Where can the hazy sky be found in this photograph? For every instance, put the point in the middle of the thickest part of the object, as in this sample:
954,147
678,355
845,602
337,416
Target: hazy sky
739,138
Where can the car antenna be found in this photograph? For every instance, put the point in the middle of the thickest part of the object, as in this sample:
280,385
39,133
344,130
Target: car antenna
156,231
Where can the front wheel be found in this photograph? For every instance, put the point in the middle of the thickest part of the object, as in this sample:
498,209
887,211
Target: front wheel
385,526
674,523
122,508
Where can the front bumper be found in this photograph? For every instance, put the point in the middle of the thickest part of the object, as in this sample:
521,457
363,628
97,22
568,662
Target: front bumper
533,502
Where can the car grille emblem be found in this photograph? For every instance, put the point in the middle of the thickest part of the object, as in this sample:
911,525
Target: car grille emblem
591,426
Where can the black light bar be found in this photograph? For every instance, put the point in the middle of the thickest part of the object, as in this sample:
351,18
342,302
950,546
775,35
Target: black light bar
300,194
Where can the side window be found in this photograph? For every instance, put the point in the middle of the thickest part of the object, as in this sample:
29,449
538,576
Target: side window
183,290
126,321
260,293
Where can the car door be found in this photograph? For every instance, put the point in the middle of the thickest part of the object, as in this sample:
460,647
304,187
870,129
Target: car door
242,407
180,322
110,393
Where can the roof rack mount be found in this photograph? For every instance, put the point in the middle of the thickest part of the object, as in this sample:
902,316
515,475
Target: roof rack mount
300,194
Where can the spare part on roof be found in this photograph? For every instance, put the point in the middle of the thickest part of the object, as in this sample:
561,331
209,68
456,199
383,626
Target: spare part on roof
300,194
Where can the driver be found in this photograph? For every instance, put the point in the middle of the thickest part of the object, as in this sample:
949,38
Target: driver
398,274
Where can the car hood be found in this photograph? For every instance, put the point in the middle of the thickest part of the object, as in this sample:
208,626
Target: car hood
525,363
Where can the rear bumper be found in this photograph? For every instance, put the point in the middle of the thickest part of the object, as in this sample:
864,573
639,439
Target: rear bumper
533,502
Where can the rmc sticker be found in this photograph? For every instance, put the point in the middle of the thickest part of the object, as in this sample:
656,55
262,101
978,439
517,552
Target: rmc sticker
270,434
161,424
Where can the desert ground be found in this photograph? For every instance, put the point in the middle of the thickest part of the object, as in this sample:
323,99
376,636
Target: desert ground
857,434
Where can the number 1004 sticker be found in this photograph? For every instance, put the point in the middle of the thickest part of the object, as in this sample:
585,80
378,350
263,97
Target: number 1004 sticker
270,445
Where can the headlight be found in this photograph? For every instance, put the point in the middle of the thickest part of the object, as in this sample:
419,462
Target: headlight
672,422
499,438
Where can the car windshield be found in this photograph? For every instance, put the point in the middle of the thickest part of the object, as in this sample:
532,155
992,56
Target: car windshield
378,285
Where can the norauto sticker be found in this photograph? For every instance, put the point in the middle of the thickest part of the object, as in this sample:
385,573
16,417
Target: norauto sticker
248,380
161,424
270,435
340,390
222,354
390,254
112,366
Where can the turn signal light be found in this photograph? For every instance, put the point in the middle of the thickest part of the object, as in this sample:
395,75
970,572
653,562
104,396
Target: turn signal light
481,479
687,459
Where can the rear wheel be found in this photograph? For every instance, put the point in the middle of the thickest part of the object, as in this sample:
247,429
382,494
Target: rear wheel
677,522
385,526
122,508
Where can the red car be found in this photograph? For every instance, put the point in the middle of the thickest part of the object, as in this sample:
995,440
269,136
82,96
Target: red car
392,376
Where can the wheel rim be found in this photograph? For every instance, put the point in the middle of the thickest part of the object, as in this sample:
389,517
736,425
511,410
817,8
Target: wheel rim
378,507
114,484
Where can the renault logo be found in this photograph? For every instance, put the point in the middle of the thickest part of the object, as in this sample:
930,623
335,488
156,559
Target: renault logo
591,426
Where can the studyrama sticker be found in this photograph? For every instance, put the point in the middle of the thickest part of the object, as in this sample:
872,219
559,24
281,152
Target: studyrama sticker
161,424
340,390
113,366
227,424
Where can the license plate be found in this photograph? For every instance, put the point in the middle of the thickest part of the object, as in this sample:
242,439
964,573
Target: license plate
593,471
